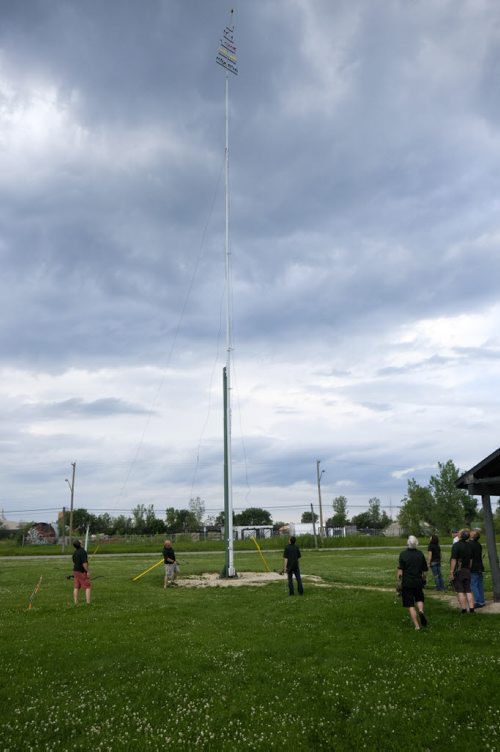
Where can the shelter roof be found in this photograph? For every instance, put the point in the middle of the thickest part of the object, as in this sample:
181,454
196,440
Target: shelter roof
483,478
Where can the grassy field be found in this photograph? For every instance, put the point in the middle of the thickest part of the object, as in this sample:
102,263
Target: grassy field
242,667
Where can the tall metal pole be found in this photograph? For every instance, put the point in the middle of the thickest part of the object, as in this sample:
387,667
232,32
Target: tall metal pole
72,489
229,346
226,57
318,475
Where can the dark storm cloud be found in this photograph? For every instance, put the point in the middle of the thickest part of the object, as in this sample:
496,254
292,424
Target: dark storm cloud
364,198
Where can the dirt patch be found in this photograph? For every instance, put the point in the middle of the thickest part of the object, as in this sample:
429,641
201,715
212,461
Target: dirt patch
263,578
243,578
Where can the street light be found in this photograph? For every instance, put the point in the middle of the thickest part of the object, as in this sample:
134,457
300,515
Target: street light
72,489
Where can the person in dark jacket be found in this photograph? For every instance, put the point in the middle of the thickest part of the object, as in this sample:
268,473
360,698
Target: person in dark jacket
411,574
291,556
477,569
460,571
434,561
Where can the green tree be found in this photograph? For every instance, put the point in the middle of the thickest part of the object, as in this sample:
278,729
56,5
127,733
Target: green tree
180,520
219,520
308,517
122,525
496,518
104,523
253,516
417,509
197,509
451,504
339,517
82,518
373,517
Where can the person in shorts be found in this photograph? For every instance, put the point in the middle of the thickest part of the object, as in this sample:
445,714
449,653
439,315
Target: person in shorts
81,577
460,571
411,576
171,566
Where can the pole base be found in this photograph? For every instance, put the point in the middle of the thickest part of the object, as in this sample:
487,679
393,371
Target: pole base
228,573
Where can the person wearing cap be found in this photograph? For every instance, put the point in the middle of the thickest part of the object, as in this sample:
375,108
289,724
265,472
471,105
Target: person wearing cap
477,569
460,571
411,574
80,572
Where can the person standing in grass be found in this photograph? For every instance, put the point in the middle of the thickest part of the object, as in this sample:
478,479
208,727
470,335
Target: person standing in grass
460,571
411,575
434,561
171,567
80,572
291,556
477,569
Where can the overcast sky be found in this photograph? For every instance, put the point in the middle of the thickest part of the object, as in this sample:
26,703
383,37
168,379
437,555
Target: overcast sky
365,232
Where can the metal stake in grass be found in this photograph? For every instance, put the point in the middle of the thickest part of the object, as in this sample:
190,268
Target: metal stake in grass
35,591
147,570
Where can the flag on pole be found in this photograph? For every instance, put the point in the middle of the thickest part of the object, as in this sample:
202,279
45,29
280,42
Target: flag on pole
226,54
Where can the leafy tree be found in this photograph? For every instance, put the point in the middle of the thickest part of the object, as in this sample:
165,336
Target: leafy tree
253,516
180,521
339,517
219,520
496,518
451,504
123,525
373,517
82,518
308,517
362,520
104,523
417,508
197,509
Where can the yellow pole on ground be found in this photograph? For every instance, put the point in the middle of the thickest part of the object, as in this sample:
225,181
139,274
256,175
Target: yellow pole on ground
35,591
261,554
147,570
95,550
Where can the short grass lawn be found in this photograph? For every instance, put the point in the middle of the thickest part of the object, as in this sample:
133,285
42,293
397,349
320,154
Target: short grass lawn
240,668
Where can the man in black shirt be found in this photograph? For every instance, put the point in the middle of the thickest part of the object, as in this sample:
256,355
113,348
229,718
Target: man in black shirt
411,568
171,567
80,572
291,556
460,574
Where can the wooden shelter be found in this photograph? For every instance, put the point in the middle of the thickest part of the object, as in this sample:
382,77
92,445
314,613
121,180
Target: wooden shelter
484,480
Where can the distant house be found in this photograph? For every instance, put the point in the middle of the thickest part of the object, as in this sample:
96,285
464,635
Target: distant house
7,527
41,534
243,532
394,530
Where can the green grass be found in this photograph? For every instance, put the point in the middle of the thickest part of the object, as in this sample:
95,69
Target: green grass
240,668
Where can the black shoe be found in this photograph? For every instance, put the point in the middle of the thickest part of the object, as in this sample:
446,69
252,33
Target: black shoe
423,620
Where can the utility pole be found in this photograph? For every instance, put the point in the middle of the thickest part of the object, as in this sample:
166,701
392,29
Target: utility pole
318,475
63,529
72,489
314,527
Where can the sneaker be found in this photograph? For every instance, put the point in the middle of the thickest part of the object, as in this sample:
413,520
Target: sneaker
423,620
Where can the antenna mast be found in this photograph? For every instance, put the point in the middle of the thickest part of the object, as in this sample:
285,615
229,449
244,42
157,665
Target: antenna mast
226,57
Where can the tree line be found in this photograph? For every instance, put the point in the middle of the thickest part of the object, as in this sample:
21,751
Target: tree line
438,506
